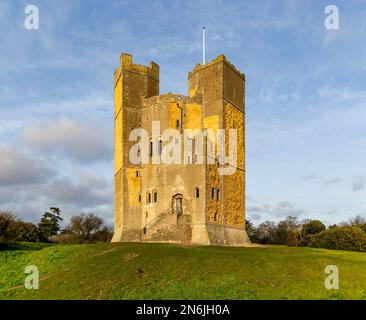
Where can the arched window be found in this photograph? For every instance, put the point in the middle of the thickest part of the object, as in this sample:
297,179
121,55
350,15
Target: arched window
217,194
148,197
213,193
155,196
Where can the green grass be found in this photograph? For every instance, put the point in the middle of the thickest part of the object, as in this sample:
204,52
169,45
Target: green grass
165,271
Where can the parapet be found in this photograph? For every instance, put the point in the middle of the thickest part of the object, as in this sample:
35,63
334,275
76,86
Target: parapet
126,64
220,58
168,98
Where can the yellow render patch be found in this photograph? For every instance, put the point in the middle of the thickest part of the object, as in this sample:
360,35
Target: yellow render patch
175,113
214,206
235,184
133,186
118,199
193,116
234,120
212,122
118,96
234,201
192,91
118,143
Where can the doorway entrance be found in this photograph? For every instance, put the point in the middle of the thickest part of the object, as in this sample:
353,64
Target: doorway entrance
178,204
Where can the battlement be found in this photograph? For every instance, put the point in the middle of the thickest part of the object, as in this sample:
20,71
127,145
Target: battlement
168,98
126,64
220,58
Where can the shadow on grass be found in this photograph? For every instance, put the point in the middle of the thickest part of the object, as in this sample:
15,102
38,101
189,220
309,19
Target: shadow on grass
27,246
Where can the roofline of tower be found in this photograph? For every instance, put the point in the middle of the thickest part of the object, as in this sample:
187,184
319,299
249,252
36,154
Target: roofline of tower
126,64
220,58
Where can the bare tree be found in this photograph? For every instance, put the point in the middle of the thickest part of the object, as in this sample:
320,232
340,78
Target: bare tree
86,228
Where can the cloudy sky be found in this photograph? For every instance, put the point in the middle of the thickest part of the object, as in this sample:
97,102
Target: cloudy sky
306,98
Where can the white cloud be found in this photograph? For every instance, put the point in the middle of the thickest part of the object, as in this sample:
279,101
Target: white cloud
76,141
19,168
280,209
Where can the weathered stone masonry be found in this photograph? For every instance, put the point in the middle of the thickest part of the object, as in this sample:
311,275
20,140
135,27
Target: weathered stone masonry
183,203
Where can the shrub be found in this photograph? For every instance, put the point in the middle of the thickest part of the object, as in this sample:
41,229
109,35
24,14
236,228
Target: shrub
312,227
288,231
6,219
266,233
309,229
340,238
23,231
362,227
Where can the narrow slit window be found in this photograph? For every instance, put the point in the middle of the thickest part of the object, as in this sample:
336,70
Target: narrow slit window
188,161
160,147
150,149
197,193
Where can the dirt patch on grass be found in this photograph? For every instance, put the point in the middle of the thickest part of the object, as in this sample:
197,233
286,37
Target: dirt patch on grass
104,252
130,256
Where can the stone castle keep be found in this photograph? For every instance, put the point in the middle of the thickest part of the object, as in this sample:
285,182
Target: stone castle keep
184,203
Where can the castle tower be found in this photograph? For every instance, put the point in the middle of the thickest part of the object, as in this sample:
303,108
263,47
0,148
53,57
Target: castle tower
132,82
222,88
190,201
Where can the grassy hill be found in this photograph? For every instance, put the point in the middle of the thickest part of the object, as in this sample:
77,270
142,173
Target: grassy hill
163,271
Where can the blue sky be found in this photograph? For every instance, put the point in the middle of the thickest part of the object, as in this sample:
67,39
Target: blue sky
306,98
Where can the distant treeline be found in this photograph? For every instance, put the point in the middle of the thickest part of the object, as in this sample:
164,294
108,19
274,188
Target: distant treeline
83,228
89,228
311,233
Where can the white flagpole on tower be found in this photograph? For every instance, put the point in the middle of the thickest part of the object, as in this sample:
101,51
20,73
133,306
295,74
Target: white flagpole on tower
203,46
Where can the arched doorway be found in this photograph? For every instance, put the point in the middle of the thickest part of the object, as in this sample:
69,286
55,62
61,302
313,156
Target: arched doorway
177,204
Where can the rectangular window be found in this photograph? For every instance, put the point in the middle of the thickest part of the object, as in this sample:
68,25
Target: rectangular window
160,147
188,159
213,193
195,158
218,194
197,193
150,149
